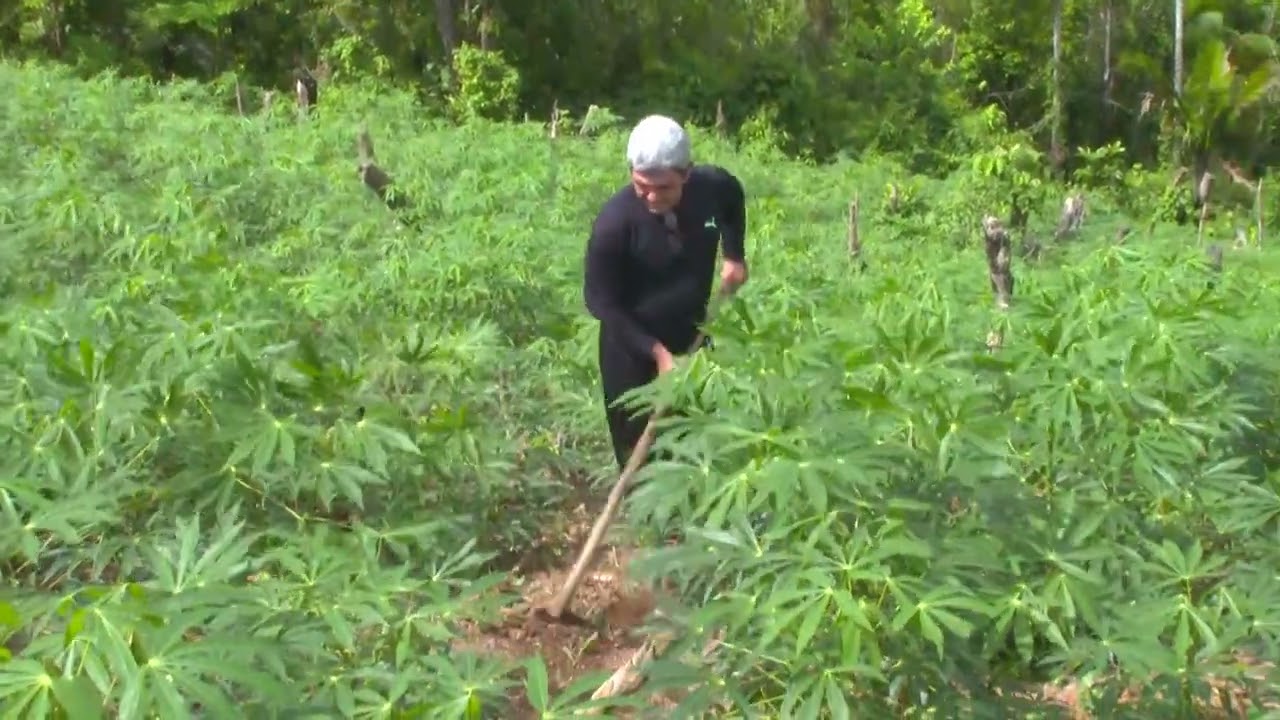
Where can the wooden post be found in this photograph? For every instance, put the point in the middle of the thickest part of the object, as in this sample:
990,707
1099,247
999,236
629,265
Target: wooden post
854,240
374,177
555,118
589,119
999,258
1072,217
1202,192
306,89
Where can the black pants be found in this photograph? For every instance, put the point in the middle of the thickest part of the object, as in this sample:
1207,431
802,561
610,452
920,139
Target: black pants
622,370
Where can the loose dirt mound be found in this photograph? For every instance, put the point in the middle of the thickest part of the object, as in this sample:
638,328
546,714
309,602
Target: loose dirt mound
615,606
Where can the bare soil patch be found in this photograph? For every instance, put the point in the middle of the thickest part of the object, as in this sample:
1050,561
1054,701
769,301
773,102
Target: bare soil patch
615,605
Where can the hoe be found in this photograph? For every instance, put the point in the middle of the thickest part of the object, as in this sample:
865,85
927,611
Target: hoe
558,610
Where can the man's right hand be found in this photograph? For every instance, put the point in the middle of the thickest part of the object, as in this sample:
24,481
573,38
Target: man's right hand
662,356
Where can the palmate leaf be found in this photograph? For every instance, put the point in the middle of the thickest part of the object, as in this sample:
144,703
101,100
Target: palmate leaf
26,690
861,482
29,518
212,671
183,566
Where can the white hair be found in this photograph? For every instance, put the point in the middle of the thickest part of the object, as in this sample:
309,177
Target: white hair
658,143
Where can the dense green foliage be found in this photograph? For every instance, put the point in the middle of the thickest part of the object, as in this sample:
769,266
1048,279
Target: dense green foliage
816,77
264,444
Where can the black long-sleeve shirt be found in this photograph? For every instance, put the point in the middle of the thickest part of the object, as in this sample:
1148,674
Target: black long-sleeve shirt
644,283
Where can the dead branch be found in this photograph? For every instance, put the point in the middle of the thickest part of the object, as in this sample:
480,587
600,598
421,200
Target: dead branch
722,124
239,98
374,177
628,678
630,675
1237,176
1072,218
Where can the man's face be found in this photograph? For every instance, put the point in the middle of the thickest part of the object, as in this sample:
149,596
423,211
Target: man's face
661,189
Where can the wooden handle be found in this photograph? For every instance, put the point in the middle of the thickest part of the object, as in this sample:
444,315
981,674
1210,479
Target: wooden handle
638,455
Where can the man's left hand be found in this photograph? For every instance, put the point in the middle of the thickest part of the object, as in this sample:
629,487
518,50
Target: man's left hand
732,276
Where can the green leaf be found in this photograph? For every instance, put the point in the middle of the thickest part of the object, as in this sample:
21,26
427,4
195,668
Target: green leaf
536,685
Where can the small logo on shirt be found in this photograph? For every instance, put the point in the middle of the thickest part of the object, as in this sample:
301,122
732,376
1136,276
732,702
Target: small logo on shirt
710,223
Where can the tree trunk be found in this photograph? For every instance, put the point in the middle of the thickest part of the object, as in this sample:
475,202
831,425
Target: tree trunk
447,24
1057,153
1179,9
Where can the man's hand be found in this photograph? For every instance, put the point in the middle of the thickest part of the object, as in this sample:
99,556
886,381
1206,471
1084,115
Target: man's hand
662,356
732,276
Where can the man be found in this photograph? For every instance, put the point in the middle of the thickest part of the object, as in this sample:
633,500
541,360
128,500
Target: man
650,264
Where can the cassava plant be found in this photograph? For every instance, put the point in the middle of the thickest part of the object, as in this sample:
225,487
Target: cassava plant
268,449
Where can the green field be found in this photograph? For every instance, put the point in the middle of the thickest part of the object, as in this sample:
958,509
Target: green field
269,448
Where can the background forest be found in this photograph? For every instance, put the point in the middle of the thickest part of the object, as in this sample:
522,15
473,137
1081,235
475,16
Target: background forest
916,79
